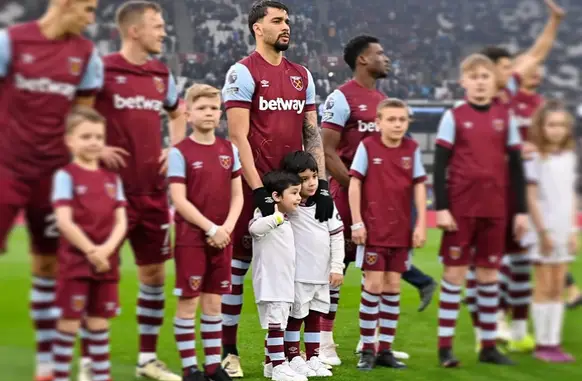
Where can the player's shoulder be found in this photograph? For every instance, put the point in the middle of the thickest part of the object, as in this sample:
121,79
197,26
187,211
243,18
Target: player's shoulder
290,65
371,140
157,67
28,30
224,143
408,142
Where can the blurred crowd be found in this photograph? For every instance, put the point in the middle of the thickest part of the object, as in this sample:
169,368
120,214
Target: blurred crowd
424,43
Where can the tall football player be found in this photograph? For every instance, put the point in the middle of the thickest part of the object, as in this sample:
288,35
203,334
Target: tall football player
46,67
137,89
270,105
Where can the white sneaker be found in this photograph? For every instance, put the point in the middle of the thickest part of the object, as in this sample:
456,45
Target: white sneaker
503,330
268,370
84,372
299,366
156,370
318,367
284,372
359,347
328,355
401,355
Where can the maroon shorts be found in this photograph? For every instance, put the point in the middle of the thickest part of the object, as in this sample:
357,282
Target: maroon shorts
342,204
241,239
512,246
148,230
202,269
478,242
32,197
77,298
385,259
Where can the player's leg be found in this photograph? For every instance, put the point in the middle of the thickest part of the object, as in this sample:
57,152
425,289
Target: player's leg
503,312
455,254
558,277
519,301
85,361
390,308
190,265
471,302
489,246
318,306
299,311
542,309
217,282
150,242
573,294
72,301
44,239
373,266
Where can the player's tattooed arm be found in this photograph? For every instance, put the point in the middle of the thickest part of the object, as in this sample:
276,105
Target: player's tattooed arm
312,141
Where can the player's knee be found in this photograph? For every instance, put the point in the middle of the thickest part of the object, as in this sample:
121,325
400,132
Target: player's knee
211,304
487,275
391,283
186,308
455,275
95,323
44,266
68,325
152,275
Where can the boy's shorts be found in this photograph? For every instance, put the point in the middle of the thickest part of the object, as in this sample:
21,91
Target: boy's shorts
383,259
274,314
77,298
309,296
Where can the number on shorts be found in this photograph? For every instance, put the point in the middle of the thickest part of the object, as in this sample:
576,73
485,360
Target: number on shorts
51,230
166,246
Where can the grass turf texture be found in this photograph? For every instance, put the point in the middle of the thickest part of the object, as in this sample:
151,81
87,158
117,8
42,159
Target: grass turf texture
416,331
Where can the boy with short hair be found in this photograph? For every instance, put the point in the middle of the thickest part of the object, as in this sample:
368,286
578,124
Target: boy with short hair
386,174
90,212
206,189
274,270
320,263
477,151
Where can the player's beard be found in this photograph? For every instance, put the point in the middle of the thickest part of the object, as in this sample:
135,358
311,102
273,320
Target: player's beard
280,46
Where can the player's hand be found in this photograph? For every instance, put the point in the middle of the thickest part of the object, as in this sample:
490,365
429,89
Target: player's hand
163,160
99,258
220,239
336,280
359,235
445,221
573,244
419,237
323,202
264,201
546,243
555,9
114,157
527,149
520,226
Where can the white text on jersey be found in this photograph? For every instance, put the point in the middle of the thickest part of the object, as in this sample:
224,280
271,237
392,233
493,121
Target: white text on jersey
45,86
137,103
367,127
281,104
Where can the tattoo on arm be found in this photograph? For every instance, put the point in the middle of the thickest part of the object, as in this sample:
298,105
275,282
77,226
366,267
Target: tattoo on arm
312,141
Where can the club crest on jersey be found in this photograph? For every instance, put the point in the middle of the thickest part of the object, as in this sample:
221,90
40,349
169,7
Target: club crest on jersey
195,282
455,252
78,303
371,258
406,162
297,82
110,189
75,65
159,83
498,124
225,161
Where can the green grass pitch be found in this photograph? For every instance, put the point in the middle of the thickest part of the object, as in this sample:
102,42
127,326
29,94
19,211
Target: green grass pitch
416,331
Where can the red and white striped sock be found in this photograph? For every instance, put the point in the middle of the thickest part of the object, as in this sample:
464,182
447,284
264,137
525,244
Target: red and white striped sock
232,306
63,347
211,332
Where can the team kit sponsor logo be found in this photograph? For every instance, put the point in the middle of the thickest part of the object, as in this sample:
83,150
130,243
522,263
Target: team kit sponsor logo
280,104
44,86
367,127
137,103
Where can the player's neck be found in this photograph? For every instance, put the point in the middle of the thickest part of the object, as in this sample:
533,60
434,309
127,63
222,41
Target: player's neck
391,143
134,54
51,25
92,165
528,91
269,54
203,137
479,102
365,80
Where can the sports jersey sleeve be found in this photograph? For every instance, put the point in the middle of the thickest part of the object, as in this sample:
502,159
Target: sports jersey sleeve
531,170
260,226
337,243
62,189
236,166
446,130
94,73
335,224
5,52
171,101
359,167
513,138
239,87
513,84
336,111
310,92
419,173
120,197
176,166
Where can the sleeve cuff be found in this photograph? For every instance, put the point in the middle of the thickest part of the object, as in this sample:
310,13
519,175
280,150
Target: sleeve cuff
514,147
121,204
356,174
63,202
332,126
174,107
86,92
337,231
419,180
236,174
237,104
444,143
177,180
310,107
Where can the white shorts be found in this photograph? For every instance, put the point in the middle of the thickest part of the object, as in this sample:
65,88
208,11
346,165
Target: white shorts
561,254
274,313
310,296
